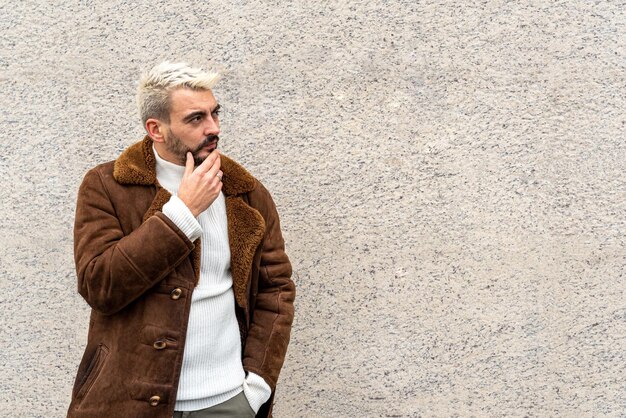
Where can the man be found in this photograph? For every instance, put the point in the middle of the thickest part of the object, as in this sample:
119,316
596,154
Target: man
179,253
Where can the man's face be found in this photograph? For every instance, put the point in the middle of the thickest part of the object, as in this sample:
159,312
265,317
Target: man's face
194,126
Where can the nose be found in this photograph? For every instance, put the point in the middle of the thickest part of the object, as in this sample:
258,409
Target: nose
212,127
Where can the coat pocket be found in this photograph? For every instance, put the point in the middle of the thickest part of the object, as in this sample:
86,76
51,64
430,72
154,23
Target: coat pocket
93,370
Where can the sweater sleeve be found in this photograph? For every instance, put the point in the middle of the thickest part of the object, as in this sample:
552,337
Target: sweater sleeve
179,213
257,390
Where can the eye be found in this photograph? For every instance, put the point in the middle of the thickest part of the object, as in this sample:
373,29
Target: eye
216,112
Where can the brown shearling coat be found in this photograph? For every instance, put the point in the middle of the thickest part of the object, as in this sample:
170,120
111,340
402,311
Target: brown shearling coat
137,271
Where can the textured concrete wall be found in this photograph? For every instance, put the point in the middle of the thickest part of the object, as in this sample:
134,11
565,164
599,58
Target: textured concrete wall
450,179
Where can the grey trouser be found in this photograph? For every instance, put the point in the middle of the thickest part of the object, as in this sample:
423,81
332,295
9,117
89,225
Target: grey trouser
237,406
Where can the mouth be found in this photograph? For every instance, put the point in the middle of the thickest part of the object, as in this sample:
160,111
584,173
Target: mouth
210,147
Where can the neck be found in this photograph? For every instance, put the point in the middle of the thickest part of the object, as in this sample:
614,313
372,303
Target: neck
165,155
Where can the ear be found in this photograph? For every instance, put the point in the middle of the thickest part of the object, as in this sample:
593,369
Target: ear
156,129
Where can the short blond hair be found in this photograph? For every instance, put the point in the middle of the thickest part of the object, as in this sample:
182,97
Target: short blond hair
155,86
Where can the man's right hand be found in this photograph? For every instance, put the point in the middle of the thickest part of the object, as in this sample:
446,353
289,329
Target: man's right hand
200,187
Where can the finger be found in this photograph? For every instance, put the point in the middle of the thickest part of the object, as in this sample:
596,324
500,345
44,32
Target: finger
214,168
208,162
188,165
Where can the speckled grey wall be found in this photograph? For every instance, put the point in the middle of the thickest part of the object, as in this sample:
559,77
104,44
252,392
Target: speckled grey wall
450,179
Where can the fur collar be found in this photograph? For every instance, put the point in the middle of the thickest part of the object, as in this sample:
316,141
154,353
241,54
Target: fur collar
246,226
137,165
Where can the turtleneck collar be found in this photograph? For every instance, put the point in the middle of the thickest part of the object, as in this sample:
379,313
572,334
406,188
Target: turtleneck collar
168,174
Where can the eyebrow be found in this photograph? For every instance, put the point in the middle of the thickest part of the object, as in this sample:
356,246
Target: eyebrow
200,113
194,114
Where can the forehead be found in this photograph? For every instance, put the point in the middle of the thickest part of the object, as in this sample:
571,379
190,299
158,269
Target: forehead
184,101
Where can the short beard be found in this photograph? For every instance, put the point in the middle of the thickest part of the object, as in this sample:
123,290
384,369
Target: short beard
175,146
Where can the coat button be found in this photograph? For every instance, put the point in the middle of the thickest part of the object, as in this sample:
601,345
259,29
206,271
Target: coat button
154,401
175,294
159,344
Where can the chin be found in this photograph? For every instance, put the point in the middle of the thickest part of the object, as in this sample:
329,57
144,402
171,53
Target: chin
198,160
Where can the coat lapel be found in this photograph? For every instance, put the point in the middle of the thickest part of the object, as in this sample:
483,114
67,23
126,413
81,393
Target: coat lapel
245,232
246,226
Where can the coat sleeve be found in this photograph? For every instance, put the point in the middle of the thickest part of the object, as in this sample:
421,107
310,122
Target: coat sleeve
114,269
266,344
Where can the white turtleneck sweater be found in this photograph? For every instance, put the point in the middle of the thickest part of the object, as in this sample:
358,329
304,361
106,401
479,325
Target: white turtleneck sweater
212,371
